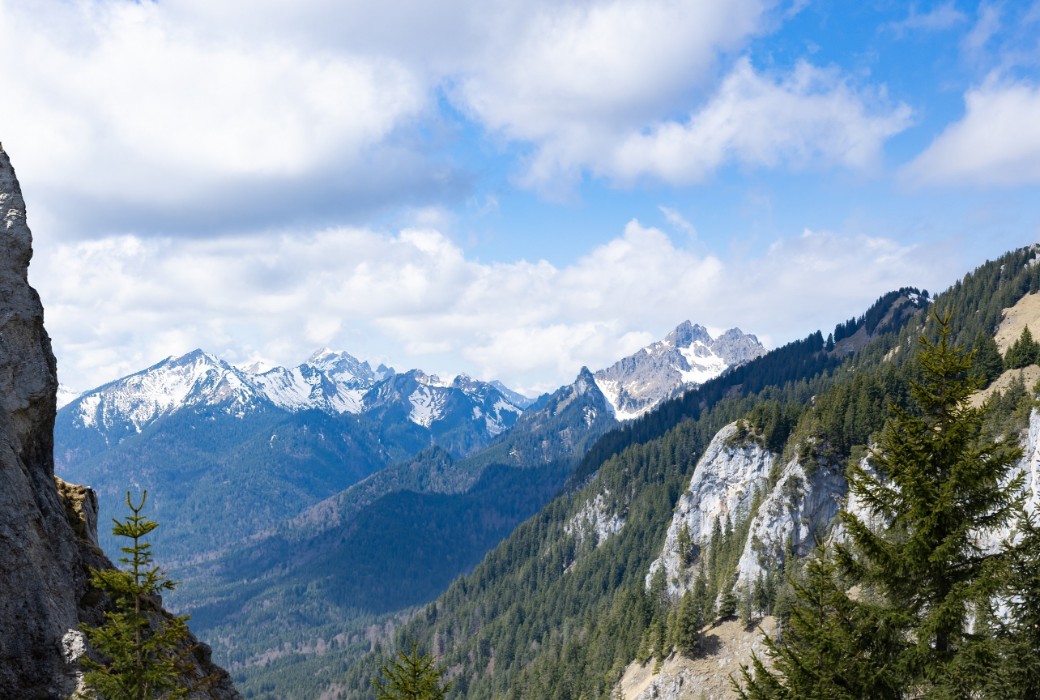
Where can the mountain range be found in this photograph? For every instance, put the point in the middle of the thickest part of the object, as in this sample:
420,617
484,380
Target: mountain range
273,481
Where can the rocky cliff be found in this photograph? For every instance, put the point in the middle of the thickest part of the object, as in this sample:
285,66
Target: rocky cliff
48,529
723,484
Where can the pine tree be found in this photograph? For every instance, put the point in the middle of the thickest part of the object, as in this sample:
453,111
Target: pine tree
685,545
986,362
411,676
936,483
142,650
833,648
1018,677
1023,352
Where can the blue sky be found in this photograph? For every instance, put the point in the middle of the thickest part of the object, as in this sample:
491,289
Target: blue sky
508,189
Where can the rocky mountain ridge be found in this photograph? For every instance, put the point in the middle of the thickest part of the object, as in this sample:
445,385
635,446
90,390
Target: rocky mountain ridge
331,382
686,358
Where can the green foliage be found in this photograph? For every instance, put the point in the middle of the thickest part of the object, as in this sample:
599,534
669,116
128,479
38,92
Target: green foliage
1023,352
986,362
1008,411
939,484
690,620
142,650
410,676
832,648
1017,632
935,487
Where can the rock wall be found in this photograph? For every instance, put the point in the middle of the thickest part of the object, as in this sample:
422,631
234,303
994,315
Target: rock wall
795,517
48,538
723,483
795,514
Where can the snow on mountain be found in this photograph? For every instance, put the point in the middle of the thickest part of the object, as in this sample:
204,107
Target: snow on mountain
66,395
333,382
687,357
137,400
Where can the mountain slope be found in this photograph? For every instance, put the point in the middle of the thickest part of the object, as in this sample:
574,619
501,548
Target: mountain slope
567,602
391,541
228,453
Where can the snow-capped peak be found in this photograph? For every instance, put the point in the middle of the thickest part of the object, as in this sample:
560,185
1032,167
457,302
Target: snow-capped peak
66,395
686,357
137,400
330,381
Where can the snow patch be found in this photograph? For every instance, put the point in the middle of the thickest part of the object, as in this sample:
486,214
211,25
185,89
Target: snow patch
427,406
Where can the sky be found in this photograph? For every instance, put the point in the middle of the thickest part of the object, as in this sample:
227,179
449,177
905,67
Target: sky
507,188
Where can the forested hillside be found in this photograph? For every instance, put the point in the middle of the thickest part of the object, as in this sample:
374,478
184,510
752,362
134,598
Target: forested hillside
553,612
299,601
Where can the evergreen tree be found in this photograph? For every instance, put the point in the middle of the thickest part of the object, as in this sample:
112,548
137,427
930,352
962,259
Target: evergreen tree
1018,677
728,603
411,676
936,484
986,362
916,627
833,648
1023,352
690,622
685,545
142,650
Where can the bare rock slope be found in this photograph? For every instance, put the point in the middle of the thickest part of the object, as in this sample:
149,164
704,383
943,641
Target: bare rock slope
48,535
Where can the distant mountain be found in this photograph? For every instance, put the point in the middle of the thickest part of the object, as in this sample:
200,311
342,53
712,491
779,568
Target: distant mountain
686,358
251,448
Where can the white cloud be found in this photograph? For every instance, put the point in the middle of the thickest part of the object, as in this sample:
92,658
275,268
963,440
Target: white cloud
130,106
941,17
810,118
196,117
679,221
566,67
997,142
413,299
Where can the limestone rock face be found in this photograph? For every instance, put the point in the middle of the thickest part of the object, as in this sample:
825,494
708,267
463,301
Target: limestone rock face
48,539
796,516
723,484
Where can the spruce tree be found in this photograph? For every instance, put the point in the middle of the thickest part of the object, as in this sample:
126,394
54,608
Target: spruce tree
1018,676
411,676
142,650
832,648
1023,352
917,625
689,624
936,484
986,362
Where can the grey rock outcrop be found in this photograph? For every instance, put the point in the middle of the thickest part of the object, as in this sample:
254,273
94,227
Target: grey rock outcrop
48,529
791,517
794,518
723,485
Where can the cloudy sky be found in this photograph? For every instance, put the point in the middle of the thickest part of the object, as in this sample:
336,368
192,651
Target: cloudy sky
509,188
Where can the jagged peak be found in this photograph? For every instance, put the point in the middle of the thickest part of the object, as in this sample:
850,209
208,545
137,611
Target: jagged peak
687,333
196,356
